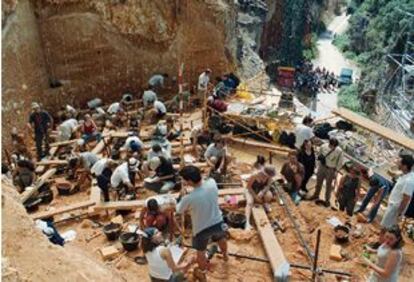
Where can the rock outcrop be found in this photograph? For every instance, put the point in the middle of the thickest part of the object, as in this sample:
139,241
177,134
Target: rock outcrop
105,48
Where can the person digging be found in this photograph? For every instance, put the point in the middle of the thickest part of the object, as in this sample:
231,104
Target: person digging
206,216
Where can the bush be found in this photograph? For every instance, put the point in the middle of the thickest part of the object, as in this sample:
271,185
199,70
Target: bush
348,98
311,52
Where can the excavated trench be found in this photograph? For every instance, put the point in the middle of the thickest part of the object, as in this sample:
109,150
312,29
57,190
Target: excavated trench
59,52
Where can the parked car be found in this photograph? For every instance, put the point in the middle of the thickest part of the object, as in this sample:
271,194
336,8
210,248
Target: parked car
345,78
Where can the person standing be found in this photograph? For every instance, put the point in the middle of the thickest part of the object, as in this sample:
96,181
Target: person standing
206,216
307,158
348,191
378,189
330,162
303,132
401,194
40,122
389,257
203,81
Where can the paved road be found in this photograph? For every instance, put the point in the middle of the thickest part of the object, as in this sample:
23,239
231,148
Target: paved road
333,60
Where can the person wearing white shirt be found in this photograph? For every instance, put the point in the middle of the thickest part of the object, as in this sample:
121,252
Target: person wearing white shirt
133,143
102,170
114,108
149,97
66,129
157,81
203,80
303,132
401,194
124,174
160,109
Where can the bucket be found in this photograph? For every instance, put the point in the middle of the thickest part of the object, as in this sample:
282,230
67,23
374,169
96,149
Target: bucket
112,231
341,234
236,220
64,190
32,204
129,241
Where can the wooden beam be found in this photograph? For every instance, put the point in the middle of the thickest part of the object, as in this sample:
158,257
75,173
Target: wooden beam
199,165
138,204
52,152
39,182
52,162
376,128
274,252
260,144
46,214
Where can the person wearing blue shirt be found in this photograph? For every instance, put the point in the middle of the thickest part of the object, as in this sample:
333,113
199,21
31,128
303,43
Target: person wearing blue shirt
379,187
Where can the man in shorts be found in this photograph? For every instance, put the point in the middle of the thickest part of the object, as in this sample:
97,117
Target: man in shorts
206,216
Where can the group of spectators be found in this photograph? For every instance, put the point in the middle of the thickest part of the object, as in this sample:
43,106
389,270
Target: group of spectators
310,80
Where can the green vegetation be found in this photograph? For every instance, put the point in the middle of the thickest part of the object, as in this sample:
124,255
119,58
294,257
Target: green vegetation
311,52
376,28
348,98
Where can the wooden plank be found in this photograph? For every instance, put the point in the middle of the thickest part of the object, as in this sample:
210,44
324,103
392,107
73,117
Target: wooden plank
260,144
138,204
39,182
95,195
199,165
376,128
52,162
100,146
61,210
52,152
274,252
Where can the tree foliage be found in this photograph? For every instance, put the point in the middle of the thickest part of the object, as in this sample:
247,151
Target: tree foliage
377,28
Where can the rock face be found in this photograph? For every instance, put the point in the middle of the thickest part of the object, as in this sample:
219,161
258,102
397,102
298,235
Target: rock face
27,255
251,18
105,48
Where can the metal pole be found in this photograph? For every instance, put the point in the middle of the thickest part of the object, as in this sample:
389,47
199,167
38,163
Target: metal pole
315,261
295,225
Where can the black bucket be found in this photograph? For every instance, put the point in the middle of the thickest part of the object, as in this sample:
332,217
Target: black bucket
129,241
341,234
112,231
64,191
32,204
236,220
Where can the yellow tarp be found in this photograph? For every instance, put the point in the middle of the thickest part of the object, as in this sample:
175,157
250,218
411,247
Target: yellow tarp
242,92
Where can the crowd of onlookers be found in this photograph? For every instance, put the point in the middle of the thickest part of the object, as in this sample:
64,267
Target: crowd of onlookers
311,80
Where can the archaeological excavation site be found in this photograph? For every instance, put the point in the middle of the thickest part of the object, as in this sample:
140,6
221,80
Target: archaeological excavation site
207,140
